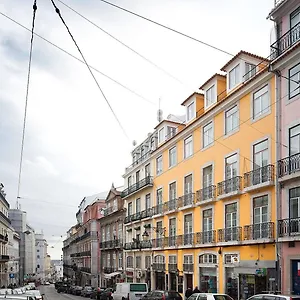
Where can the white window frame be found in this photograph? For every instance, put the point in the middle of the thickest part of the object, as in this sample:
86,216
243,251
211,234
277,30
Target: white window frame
236,78
250,70
161,135
159,165
190,111
210,126
187,154
291,82
210,96
258,94
173,162
229,114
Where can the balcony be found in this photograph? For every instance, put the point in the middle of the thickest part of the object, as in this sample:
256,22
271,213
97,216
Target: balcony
258,178
188,267
4,258
160,242
289,167
160,267
172,241
85,253
229,187
147,213
172,267
289,227
158,209
285,42
85,270
186,200
205,195
138,161
259,231
188,239
147,181
3,239
231,234
117,243
171,205
5,217
138,245
206,237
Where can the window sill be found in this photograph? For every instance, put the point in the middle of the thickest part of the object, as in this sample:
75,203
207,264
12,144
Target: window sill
186,158
207,147
226,135
293,99
261,116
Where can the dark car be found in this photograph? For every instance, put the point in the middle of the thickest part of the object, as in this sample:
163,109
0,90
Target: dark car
107,294
162,295
96,293
57,284
77,290
86,291
63,288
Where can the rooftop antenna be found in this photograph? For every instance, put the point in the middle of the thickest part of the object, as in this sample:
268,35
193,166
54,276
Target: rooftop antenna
159,112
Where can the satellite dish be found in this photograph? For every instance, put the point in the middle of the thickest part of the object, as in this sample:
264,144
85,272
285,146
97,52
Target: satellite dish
134,143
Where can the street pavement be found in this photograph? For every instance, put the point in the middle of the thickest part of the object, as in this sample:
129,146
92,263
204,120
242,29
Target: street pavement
51,294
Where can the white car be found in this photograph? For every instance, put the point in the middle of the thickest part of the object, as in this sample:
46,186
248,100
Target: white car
209,296
35,293
130,291
274,297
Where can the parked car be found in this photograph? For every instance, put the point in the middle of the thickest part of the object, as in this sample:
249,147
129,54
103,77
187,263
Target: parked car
77,290
209,296
274,297
64,288
107,294
57,284
130,291
71,289
35,293
86,291
96,293
163,295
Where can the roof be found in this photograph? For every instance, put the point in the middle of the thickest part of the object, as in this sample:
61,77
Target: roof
208,80
190,96
89,200
178,121
245,53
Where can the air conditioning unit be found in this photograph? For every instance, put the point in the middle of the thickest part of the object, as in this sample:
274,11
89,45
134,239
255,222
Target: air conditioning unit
234,260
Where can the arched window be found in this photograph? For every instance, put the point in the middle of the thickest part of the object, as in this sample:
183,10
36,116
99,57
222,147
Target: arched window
207,258
129,262
160,259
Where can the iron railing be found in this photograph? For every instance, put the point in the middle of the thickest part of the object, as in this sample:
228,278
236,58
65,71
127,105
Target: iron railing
171,205
139,160
289,165
160,242
159,266
207,193
187,199
172,240
117,243
188,267
139,215
172,267
85,269
285,42
230,234
259,176
188,239
231,185
206,237
259,231
3,239
4,257
147,213
137,186
289,227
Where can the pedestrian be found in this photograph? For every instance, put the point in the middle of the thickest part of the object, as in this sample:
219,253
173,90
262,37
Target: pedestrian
196,290
188,292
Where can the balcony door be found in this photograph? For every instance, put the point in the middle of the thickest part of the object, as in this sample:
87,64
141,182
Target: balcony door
260,217
294,222
188,189
159,201
172,196
207,182
260,162
137,176
294,149
207,225
172,232
231,170
231,222
188,229
294,20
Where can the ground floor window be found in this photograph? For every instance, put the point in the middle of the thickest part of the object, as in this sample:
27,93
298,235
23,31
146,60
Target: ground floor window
160,281
231,283
252,284
208,280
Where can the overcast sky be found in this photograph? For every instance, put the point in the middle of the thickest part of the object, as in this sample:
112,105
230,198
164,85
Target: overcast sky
74,147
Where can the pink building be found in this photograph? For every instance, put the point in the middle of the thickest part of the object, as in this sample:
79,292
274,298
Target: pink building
285,63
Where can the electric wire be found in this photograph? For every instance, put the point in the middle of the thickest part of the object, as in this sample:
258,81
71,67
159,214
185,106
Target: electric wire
47,202
73,56
122,43
26,101
91,72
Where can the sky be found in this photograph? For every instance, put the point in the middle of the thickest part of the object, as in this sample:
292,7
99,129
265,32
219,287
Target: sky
74,147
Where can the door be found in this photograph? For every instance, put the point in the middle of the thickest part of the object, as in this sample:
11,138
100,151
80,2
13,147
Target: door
231,233
137,177
260,215
189,281
230,174
294,226
172,196
260,160
147,170
295,277
294,164
172,232
207,226
188,229
207,183
188,190
159,203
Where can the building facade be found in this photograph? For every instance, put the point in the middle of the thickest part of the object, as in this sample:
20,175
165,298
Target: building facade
13,265
41,256
285,63
111,239
30,254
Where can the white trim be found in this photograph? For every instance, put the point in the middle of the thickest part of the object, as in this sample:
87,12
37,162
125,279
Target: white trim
252,197
256,142
214,83
213,216
210,163
241,69
237,129
237,152
202,135
176,156
191,135
189,103
237,211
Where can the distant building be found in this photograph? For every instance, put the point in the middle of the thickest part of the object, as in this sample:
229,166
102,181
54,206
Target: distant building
41,256
13,250
30,253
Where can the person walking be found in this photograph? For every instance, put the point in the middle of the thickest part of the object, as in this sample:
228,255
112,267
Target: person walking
188,292
196,290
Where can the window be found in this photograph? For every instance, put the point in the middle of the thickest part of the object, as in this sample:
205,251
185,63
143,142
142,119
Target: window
207,183
234,77
231,119
295,206
148,201
260,154
147,262
229,257
190,114
188,147
294,79
36,250
231,166
138,205
107,232
137,176
294,136
38,256
138,262
161,135
129,262
260,217
188,224
207,259
188,259
208,134
130,209
250,71
171,131
159,165
261,102
210,96
172,228
172,157
295,17
129,181
172,191
231,233
172,259
159,196
147,170
188,184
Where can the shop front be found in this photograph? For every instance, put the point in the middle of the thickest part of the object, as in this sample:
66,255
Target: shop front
208,279
159,280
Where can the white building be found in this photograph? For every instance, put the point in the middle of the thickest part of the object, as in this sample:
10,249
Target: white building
41,256
30,253
13,250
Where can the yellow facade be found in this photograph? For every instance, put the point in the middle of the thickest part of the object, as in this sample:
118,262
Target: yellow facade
255,246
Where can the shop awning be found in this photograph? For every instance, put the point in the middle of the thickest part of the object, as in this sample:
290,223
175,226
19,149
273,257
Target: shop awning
110,275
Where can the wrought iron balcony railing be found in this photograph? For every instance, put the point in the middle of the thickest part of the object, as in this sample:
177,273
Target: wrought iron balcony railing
207,193
4,257
188,239
158,209
289,227
231,185
187,199
171,205
116,243
159,266
259,176
147,181
147,213
289,165
206,237
172,240
172,267
139,215
3,239
259,231
137,245
160,242
188,267
285,42
230,234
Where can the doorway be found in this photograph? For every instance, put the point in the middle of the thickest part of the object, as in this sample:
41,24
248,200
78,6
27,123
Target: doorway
189,281
295,277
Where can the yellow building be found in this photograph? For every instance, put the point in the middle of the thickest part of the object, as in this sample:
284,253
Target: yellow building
213,193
